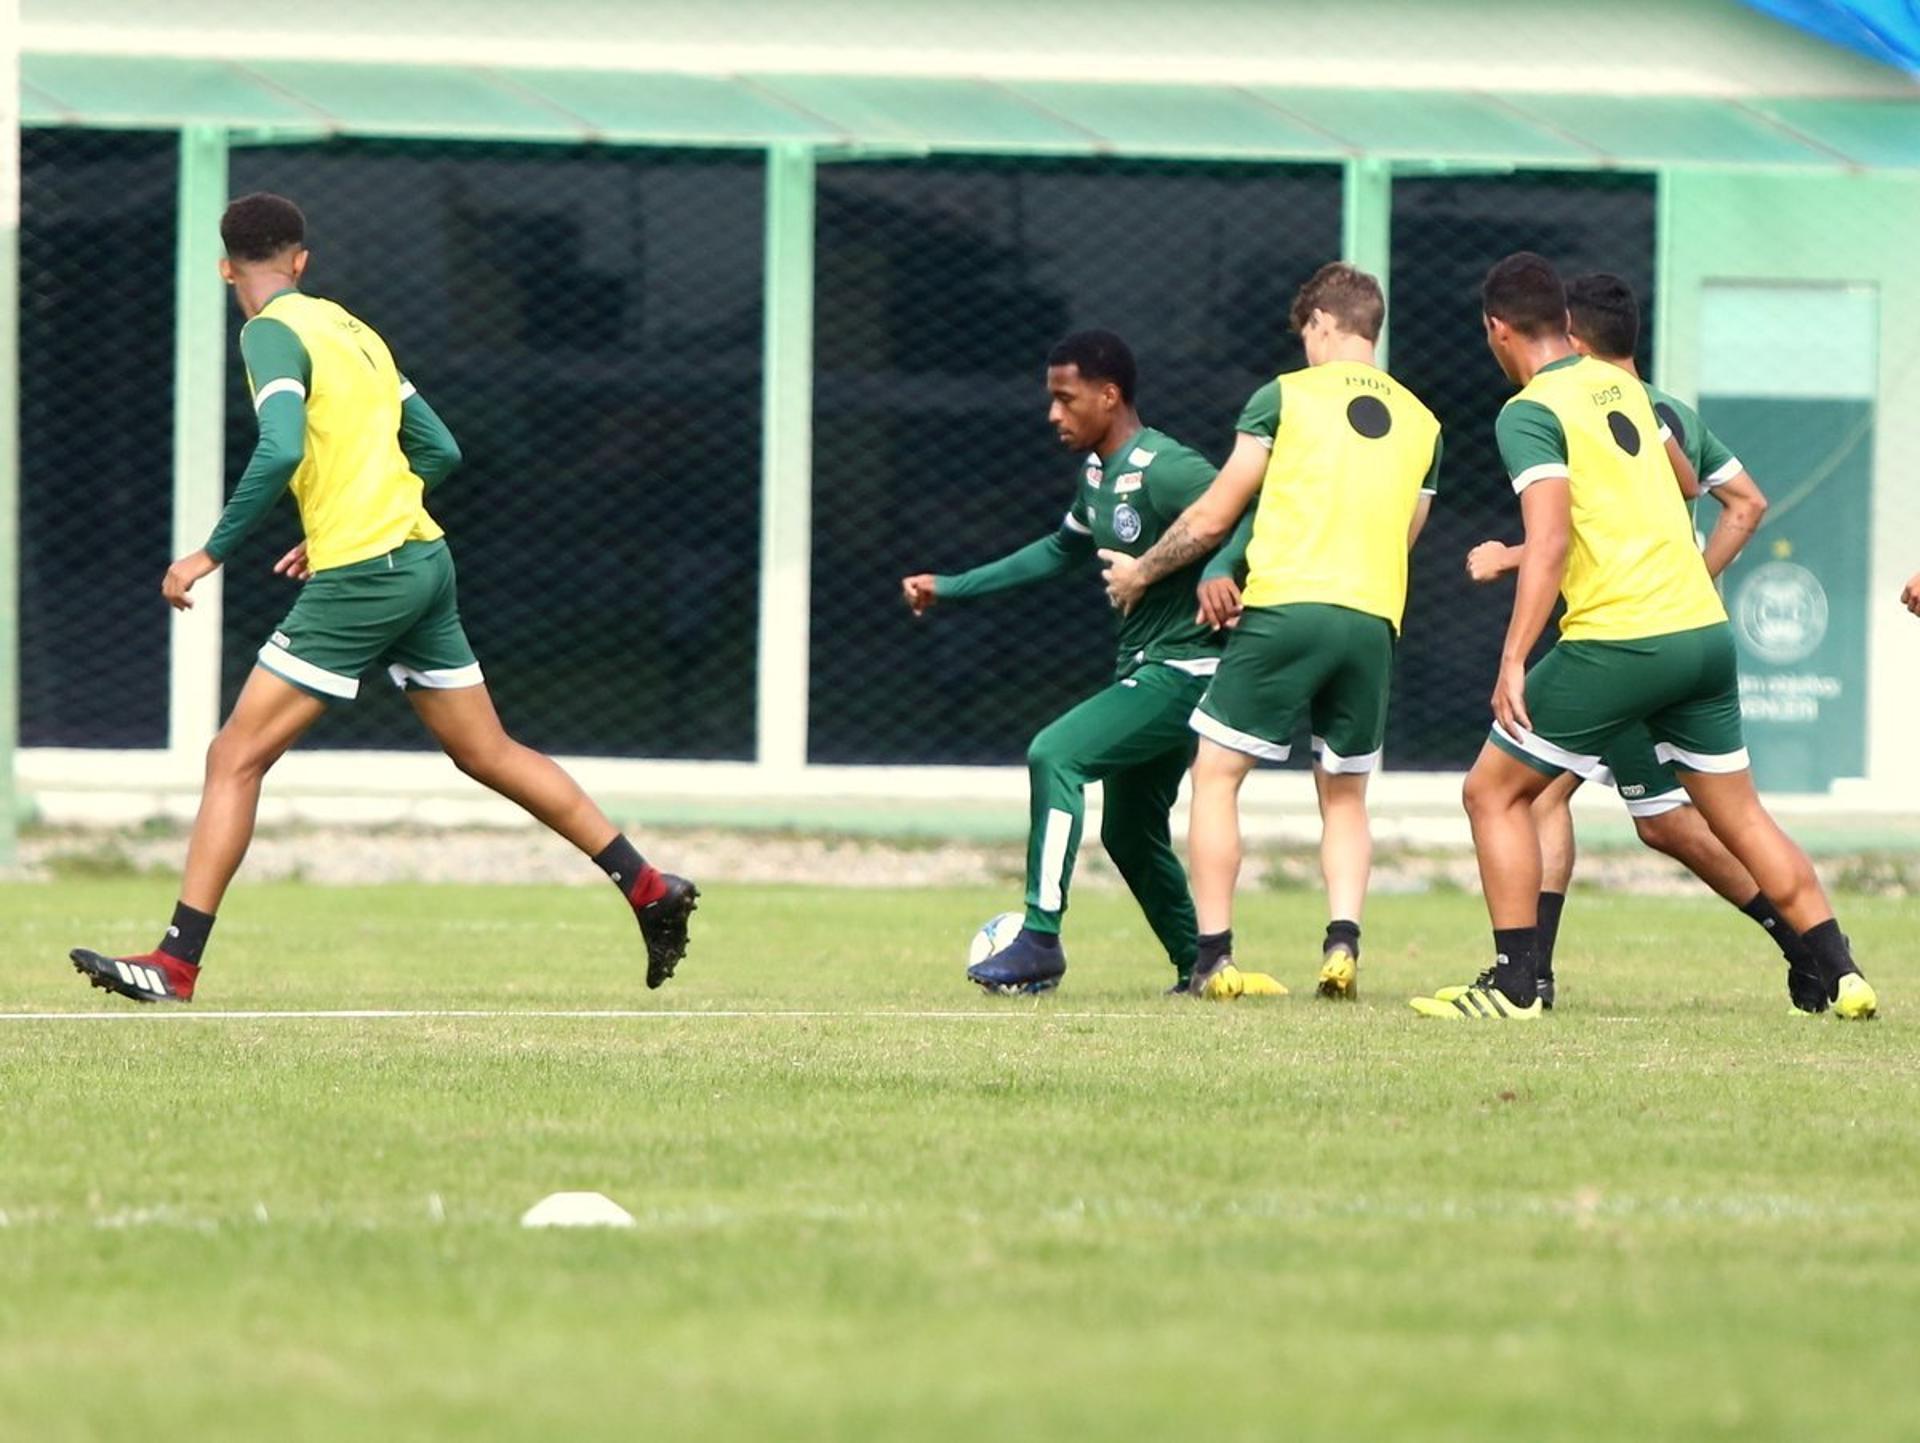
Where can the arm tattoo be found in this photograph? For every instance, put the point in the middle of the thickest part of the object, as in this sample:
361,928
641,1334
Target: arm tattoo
1178,547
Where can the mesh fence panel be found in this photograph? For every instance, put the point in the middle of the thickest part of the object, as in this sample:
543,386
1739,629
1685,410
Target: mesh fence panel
587,322
941,286
1446,232
96,407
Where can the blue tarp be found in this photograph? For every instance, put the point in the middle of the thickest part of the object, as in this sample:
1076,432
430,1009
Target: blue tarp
1887,30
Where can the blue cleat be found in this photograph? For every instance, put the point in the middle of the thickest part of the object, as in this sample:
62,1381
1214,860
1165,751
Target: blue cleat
1032,962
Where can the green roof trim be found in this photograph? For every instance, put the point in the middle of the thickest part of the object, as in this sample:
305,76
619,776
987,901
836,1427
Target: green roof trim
890,115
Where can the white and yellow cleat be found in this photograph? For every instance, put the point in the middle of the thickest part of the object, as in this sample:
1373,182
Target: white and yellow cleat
1261,984
1854,1000
1476,1002
1339,975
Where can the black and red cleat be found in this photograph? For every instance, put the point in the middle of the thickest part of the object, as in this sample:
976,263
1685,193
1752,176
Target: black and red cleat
154,977
662,903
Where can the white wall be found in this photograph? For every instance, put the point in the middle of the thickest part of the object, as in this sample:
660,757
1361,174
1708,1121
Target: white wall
1679,47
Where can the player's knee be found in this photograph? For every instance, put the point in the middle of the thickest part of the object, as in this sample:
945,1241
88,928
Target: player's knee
235,754
484,759
1049,753
1670,832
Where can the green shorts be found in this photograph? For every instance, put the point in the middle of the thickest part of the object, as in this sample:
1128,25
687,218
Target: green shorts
399,608
1586,696
1330,666
1646,784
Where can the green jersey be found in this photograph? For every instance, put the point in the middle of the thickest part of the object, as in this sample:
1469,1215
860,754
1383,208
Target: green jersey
1125,502
1713,462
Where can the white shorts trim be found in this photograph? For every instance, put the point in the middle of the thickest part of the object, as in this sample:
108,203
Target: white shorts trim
1539,747
284,664
1722,764
1195,665
1728,469
451,678
1215,730
1657,806
1333,764
1545,471
285,386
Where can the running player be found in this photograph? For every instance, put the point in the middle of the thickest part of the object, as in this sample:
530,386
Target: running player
1131,737
358,446
1344,461
1644,640
1604,321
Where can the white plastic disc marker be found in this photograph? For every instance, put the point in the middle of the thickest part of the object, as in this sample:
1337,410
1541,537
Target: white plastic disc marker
577,1210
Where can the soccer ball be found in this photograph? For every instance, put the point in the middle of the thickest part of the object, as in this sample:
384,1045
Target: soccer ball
994,936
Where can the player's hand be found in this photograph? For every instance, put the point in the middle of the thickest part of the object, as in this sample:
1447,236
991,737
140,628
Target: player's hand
1510,698
1491,560
1122,575
1910,595
294,564
181,576
919,592
1219,603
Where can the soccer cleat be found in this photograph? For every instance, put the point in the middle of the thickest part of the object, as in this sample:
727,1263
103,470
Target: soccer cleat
1453,994
1219,981
1261,984
1545,984
1477,1002
670,901
1805,987
1179,989
1339,975
1022,968
1853,999
153,977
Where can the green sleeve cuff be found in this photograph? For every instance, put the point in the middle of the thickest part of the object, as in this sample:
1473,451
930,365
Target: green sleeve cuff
1261,415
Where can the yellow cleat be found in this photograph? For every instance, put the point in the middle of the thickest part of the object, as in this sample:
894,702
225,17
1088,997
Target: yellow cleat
1340,976
1261,984
1855,1002
1223,983
1477,1002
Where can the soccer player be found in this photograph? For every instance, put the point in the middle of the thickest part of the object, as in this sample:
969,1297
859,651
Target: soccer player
356,444
1345,461
1644,640
1131,737
1604,322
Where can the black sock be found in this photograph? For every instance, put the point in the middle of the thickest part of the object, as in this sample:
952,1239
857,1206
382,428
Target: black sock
1549,928
1212,947
1784,937
1342,933
622,863
1045,941
187,936
1830,952
1516,949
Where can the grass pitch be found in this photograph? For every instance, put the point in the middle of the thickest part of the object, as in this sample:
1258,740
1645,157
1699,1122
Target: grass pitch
1670,1212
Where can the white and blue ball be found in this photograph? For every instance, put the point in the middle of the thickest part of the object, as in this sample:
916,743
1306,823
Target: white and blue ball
996,934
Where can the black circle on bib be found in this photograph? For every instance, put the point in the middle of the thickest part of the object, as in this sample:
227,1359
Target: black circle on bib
1625,433
1369,416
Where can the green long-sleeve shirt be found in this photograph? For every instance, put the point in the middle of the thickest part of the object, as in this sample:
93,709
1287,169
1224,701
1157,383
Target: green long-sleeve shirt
1127,500
280,373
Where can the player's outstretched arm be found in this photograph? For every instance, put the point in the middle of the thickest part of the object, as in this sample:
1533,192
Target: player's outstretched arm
1743,507
1200,528
1048,557
432,453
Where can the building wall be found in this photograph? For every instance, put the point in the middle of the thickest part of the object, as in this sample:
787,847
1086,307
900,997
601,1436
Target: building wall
1679,47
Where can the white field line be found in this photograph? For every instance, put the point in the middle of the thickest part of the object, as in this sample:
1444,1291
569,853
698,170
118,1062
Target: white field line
174,1014
177,1014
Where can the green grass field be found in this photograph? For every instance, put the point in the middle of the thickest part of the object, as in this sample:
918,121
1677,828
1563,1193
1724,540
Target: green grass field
1669,1212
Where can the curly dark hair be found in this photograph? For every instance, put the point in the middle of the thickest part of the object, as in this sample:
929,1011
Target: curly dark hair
260,226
